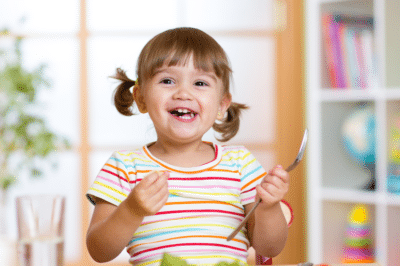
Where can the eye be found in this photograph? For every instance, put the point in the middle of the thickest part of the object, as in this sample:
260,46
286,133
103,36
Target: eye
166,81
201,83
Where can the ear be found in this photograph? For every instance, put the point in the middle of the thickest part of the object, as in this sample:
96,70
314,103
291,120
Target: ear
139,99
224,105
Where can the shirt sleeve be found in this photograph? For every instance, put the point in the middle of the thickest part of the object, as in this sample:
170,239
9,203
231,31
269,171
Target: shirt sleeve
112,184
252,174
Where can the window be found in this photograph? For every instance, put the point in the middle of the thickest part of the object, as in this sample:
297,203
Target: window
81,56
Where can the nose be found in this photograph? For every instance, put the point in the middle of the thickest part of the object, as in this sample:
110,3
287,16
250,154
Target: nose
183,92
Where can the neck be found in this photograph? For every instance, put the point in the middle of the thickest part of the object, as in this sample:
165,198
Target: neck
184,155
169,148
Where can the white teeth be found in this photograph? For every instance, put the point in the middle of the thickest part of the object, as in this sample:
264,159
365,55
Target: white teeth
185,111
187,117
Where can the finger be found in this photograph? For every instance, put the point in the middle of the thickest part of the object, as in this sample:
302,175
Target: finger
281,173
265,195
162,180
277,181
160,203
272,189
159,199
273,181
166,195
160,183
150,178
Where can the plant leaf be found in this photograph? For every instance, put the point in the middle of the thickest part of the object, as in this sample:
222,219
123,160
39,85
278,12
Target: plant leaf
7,181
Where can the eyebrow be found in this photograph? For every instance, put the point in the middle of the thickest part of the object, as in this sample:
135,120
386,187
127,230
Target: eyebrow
209,74
213,76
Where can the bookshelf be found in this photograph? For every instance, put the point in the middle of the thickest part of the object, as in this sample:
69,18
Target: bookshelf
335,181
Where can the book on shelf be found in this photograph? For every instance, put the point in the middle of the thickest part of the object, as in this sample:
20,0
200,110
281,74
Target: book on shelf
348,48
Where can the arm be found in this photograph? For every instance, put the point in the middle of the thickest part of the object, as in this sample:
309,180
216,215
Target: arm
112,227
110,230
267,227
266,230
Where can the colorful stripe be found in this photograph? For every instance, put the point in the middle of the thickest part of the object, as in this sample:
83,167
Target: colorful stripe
191,251
111,188
182,237
186,245
114,183
206,203
118,170
203,202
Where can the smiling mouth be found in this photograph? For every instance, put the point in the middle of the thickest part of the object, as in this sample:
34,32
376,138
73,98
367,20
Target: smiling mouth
183,113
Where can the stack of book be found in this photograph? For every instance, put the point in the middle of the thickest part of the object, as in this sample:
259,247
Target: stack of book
348,44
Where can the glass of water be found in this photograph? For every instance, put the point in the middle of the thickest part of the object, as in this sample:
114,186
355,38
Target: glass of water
41,230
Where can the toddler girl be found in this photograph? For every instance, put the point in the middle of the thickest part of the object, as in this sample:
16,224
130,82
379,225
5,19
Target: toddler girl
179,194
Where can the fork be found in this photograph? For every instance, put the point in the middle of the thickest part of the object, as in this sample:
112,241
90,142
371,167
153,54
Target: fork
288,169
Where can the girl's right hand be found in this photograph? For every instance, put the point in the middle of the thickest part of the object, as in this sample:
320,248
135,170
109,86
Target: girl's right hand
150,195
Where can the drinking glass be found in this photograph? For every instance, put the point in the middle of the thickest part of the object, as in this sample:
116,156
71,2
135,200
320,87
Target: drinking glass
40,230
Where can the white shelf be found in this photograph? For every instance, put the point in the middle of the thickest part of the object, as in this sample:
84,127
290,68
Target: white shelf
393,94
358,196
354,7
352,196
353,95
393,200
334,181
350,95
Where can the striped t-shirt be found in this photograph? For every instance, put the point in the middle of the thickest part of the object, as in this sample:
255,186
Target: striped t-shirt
206,203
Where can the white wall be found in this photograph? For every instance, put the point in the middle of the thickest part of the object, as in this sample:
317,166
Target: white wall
118,30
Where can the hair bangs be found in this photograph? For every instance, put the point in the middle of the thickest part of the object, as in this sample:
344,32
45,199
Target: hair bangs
177,46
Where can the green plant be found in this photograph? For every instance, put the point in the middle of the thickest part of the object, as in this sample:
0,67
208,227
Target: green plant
23,134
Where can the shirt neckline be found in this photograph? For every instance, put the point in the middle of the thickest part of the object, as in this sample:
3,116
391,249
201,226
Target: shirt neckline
187,170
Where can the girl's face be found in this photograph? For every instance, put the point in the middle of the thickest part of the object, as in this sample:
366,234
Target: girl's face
184,102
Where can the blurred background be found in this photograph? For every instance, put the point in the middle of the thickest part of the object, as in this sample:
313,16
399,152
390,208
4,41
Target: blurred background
82,42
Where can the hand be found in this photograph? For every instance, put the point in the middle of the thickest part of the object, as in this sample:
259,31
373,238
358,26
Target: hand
150,195
273,187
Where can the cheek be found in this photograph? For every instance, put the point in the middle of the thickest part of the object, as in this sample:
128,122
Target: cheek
155,100
211,105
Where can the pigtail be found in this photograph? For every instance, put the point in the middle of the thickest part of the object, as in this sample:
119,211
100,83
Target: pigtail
229,125
123,97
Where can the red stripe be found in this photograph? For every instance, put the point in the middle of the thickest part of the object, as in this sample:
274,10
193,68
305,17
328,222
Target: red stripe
206,178
187,244
120,177
114,174
248,190
199,178
181,211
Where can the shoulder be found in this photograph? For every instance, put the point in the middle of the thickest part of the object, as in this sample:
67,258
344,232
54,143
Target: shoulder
130,154
138,153
237,152
127,158
240,156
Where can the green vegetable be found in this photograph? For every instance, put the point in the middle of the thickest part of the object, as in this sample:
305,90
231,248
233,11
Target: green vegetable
172,260
169,259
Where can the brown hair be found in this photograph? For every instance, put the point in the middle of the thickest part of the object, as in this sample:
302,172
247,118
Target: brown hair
173,47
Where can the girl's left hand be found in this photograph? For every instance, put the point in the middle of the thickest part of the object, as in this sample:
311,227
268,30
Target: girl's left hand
274,187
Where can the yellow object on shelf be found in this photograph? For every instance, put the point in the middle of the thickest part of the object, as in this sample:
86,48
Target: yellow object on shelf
358,243
359,215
